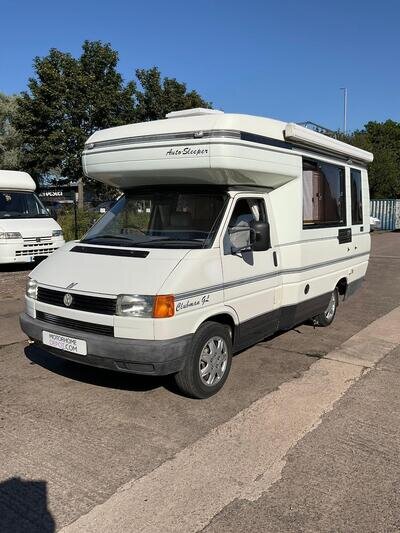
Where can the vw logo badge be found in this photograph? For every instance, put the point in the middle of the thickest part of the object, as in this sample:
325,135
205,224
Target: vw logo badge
67,300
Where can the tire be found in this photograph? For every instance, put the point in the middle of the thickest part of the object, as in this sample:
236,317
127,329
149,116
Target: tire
199,369
326,318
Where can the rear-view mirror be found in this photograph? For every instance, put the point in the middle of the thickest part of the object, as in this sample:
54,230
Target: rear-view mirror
262,236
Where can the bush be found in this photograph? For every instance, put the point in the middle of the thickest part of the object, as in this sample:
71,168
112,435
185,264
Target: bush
85,219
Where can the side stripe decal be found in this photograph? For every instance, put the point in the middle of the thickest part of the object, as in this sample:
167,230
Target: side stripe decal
184,136
253,279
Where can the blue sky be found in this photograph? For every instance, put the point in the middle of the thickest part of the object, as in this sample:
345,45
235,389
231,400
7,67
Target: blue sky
284,59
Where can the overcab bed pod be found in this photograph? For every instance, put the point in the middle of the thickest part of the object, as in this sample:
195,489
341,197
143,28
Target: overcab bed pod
200,146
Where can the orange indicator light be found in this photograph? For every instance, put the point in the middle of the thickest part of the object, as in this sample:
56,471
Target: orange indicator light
164,306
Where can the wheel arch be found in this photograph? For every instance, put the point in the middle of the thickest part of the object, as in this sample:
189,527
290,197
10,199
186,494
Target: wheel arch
341,286
224,317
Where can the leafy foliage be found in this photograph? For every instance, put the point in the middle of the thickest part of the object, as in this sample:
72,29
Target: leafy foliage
10,141
67,101
383,140
85,220
160,96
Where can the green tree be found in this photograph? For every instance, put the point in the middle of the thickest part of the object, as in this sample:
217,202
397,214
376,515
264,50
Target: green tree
158,96
383,140
68,99
10,142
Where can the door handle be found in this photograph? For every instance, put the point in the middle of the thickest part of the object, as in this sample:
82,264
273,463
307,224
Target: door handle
275,258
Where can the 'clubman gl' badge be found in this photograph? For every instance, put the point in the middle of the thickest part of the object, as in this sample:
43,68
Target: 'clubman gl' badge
67,300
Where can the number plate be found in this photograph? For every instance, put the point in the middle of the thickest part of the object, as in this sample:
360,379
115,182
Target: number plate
68,344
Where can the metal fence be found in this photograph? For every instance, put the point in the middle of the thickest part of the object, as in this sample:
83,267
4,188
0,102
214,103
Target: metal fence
388,212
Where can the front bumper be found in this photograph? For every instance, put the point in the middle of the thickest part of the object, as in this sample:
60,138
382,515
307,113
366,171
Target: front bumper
150,357
22,252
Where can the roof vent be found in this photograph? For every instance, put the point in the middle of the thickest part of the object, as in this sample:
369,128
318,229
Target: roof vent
196,112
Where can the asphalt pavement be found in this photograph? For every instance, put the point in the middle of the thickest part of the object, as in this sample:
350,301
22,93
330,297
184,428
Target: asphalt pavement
342,477
72,436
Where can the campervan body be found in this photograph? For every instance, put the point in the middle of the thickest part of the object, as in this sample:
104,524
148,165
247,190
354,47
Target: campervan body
230,228
27,230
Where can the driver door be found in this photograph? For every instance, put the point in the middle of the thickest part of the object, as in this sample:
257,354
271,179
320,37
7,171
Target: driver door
252,283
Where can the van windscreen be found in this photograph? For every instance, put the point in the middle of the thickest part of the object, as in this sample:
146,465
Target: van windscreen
19,204
167,218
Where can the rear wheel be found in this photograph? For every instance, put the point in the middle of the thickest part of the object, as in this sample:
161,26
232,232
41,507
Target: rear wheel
326,318
209,363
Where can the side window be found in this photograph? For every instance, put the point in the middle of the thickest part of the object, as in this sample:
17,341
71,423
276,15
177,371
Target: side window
356,197
324,194
247,211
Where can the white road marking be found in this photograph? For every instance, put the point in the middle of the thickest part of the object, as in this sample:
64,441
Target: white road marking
245,456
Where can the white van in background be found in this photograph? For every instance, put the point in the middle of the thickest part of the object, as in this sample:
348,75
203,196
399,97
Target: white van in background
27,230
231,227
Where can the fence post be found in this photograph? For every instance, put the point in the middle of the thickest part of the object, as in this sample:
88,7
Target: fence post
397,215
75,218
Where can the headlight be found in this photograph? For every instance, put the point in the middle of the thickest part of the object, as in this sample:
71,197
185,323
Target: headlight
57,233
31,288
135,305
10,235
162,306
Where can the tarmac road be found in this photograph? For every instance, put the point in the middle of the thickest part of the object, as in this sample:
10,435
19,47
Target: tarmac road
71,436
342,477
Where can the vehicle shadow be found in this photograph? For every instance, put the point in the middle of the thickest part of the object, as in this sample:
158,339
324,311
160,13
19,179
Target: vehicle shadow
92,375
24,507
10,268
17,267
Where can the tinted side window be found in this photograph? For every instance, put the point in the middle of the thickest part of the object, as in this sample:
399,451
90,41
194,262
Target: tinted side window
356,197
323,194
248,210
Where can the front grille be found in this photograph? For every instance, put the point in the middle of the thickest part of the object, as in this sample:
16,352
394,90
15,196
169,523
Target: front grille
36,239
81,302
36,246
79,325
41,248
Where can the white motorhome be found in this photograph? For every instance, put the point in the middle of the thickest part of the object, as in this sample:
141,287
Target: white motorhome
27,230
231,227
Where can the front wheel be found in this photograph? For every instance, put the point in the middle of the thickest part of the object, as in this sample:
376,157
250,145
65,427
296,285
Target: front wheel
326,318
208,365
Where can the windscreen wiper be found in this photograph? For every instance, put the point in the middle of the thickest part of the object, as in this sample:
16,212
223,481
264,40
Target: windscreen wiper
170,240
143,243
108,236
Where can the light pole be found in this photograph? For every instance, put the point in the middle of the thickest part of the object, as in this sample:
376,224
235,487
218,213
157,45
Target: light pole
344,89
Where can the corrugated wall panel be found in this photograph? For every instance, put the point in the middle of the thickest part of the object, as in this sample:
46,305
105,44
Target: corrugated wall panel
385,210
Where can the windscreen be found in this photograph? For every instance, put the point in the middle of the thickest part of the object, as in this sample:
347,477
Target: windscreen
17,204
164,219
